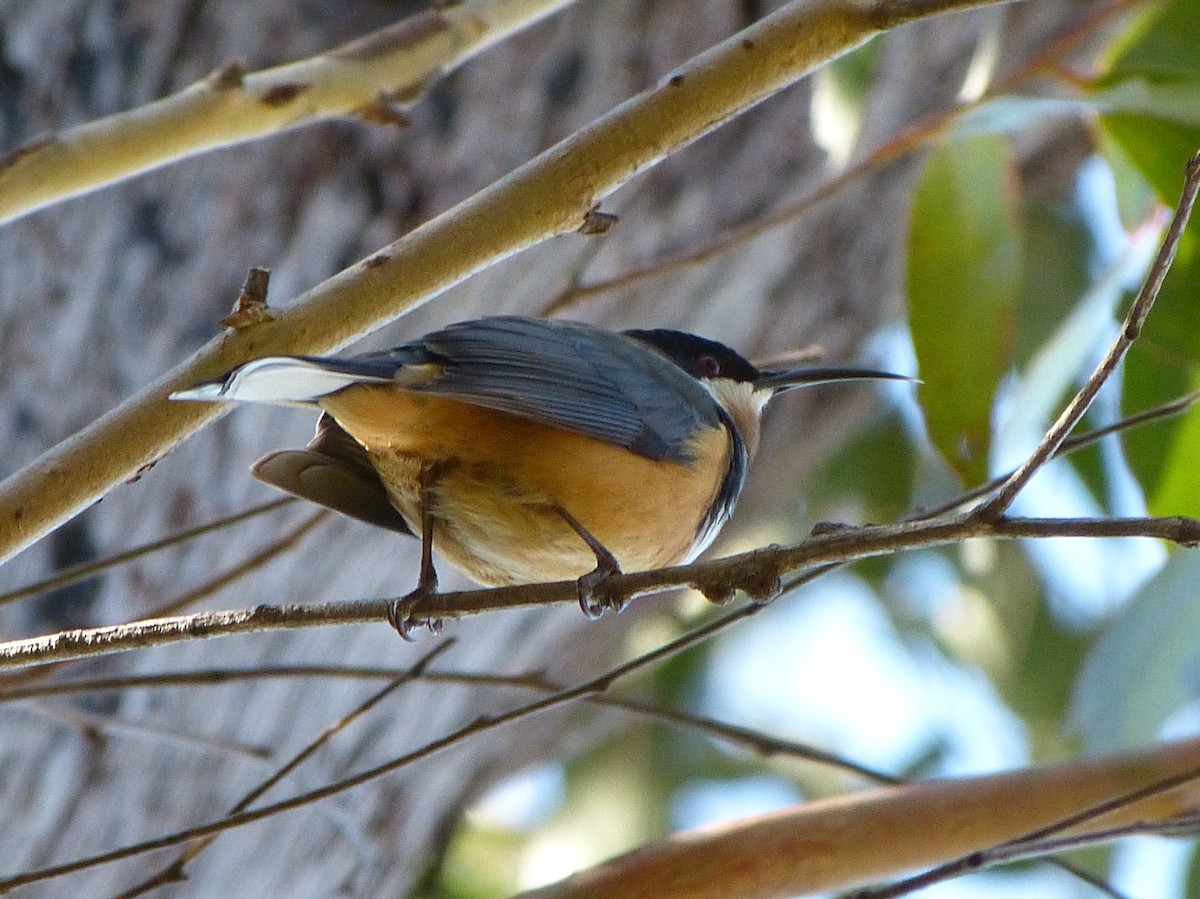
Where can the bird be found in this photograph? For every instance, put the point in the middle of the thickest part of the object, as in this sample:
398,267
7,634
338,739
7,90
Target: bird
525,450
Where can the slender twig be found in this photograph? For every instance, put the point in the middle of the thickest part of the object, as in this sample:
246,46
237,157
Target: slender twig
98,726
760,743
1003,498
1080,441
174,872
746,738
76,573
373,78
277,547
757,573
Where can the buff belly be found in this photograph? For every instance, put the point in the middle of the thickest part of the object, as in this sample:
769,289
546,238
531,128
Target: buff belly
498,481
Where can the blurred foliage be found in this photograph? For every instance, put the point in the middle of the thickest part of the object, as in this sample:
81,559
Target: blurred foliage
1013,294
965,268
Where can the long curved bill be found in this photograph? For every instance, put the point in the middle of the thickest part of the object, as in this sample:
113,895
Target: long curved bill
789,379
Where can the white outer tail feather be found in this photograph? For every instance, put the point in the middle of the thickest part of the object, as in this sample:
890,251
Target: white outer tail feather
275,381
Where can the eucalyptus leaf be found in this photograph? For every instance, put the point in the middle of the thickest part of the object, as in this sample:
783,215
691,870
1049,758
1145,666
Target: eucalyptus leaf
964,280
1146,663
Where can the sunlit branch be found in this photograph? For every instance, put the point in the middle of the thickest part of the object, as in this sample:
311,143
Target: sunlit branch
757,573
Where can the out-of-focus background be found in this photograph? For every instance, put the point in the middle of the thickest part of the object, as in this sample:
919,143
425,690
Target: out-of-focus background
1000,173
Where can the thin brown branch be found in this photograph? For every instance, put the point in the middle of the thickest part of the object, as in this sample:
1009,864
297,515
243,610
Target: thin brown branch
174,872
98,727
755,741
206,677
1136,318
745,738
253,563
757,573
76,573
1079,441
549,196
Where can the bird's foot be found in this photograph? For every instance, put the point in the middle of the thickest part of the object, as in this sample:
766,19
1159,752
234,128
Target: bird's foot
401,616
594,605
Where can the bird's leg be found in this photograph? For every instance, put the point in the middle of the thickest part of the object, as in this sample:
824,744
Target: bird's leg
606,566
400,615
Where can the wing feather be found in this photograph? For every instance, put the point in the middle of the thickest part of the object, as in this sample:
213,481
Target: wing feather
598,383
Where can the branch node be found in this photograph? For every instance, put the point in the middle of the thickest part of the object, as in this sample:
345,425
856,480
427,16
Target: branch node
388,109
597,222
251,306
283,94
822,528
229,77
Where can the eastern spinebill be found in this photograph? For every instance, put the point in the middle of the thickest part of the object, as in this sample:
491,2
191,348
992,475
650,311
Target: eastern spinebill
526,450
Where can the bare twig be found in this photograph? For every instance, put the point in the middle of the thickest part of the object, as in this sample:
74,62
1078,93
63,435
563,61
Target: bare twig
99,727
1003,498
275,548
1080,441
174,872
746,738
84,570
758,573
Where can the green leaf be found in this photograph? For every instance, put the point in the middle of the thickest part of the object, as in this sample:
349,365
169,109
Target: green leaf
875,468
1143,667
1057,245
1177,491
1165,361
1172,97
1164,42
964,286
1150,381
1158,147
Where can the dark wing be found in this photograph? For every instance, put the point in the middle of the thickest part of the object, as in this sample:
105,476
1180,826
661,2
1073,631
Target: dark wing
334,472
564,374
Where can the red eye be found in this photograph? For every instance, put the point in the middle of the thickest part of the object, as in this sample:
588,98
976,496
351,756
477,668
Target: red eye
708,366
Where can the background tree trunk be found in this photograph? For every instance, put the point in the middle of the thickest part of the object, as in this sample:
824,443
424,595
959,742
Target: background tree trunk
100,294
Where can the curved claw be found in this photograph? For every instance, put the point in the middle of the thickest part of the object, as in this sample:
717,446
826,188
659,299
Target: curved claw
592,607
400,615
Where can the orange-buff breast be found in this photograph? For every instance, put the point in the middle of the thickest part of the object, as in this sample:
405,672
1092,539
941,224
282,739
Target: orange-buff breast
498,479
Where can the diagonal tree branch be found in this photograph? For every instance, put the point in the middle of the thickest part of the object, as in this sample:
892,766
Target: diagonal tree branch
372,77
833,844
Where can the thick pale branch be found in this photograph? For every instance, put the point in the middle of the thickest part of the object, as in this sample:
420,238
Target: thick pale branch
757,573
548,196
386,69
839,843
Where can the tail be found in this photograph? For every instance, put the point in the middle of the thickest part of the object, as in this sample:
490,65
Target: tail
281,381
